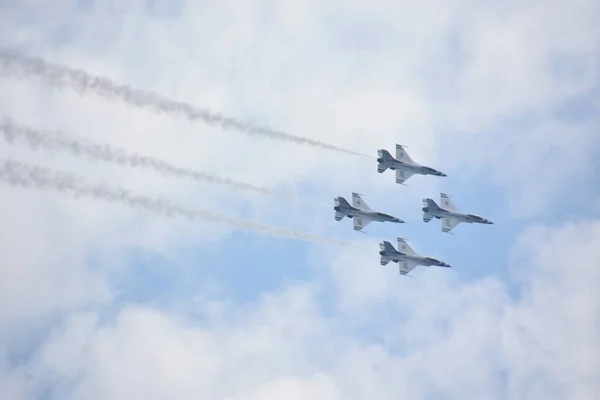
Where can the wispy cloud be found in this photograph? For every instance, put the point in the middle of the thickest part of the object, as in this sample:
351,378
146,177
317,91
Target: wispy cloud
288,345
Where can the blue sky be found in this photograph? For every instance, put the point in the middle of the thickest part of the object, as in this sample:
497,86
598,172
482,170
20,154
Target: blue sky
99,300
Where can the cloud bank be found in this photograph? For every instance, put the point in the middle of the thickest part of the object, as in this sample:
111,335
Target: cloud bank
502,97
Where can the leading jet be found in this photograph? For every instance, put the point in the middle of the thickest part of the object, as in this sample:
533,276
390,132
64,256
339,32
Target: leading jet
406,257
360,212
450,215
403,164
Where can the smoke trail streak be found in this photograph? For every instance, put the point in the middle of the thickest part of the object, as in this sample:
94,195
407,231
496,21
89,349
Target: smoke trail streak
49,141
82,82
15,173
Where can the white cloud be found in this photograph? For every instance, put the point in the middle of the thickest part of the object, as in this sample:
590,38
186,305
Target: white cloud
467,340
39,273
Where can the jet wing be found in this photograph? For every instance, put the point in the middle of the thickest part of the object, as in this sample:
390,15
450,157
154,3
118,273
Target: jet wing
405,248
406,266
361,222
449,223
402,175
402,155
358,202
447,204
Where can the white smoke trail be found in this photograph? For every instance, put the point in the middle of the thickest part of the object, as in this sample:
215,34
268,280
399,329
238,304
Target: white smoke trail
83,82
15,173
49,141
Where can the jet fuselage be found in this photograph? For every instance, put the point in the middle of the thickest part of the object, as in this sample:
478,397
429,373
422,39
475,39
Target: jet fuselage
397,256
394,164
465,217
351,212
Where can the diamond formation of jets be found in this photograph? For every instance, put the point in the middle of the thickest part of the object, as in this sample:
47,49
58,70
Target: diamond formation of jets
360,212
449,214
406,257
403,164
446,212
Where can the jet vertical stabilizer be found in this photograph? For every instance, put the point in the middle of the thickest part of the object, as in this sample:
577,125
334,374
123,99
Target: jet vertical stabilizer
427,216
341,202
384,159
386,249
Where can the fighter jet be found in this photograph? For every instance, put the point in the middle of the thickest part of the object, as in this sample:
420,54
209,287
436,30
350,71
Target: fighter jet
406,257
360,212
450,215
404,166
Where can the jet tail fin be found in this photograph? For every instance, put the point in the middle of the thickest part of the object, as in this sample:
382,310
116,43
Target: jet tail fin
384,157
432,205
386,246
342,202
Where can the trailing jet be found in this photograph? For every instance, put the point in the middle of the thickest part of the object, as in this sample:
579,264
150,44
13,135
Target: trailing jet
404,166
360,212
450,215
406,257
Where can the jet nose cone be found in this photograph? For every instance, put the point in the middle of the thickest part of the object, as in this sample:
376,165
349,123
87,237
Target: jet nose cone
443,174
489,222
399,221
